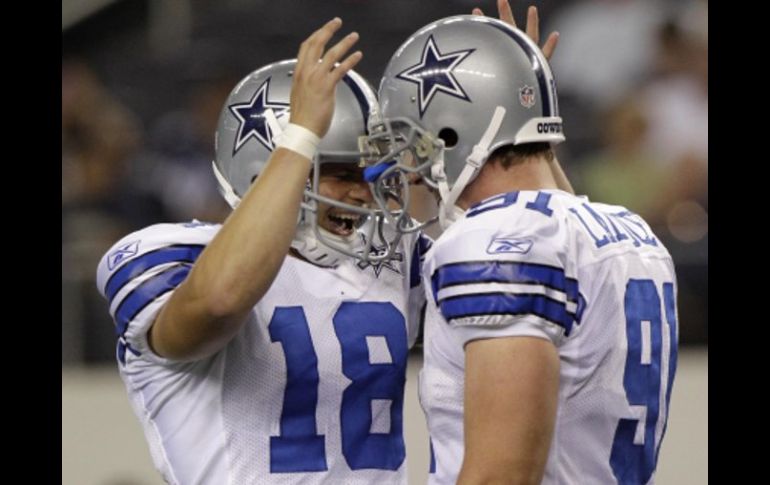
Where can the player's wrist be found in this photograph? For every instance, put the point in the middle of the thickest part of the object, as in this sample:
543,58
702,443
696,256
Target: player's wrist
299,140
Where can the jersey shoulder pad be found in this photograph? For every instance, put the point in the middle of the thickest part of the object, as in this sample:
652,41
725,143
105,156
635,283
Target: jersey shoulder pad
148,248
512,233
504,264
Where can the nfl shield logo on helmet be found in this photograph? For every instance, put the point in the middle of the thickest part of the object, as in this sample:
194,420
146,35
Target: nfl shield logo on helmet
527,96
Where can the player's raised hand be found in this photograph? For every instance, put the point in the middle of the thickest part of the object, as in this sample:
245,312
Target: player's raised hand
316,76
533,25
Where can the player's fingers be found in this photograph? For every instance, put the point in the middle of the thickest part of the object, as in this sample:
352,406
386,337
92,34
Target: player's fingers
533,27
550,45
334,54
477,11
313,47
346,65
506,14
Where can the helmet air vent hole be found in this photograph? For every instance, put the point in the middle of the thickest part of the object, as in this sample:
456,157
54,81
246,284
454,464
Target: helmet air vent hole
449,136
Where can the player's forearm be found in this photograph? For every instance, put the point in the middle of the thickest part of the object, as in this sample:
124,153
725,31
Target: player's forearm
237,267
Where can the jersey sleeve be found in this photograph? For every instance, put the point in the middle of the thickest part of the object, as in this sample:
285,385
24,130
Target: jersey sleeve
139,274
493,279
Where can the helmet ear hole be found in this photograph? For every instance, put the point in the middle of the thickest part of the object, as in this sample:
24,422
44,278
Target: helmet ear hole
449,136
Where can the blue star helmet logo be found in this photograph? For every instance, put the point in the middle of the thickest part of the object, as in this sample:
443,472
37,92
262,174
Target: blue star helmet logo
434,73
251,118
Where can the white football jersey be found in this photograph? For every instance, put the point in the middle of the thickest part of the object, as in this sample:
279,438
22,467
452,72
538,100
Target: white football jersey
591,278
309,391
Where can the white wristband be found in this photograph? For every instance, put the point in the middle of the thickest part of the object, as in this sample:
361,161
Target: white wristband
298,139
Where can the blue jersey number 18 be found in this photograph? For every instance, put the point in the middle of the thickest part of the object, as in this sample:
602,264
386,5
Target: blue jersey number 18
357,325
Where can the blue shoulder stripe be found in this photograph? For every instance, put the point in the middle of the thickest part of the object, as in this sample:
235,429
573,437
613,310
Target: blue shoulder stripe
508,304
454,274
146,293
180,253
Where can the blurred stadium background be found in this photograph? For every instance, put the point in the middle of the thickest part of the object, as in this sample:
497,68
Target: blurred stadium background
142,85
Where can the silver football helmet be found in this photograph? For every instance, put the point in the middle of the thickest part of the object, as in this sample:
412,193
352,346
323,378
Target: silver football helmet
255,114
454,92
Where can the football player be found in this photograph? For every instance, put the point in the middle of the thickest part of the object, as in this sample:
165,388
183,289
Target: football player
551,327
273,348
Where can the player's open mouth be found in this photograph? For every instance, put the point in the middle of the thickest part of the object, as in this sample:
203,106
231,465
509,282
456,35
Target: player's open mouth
343,223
